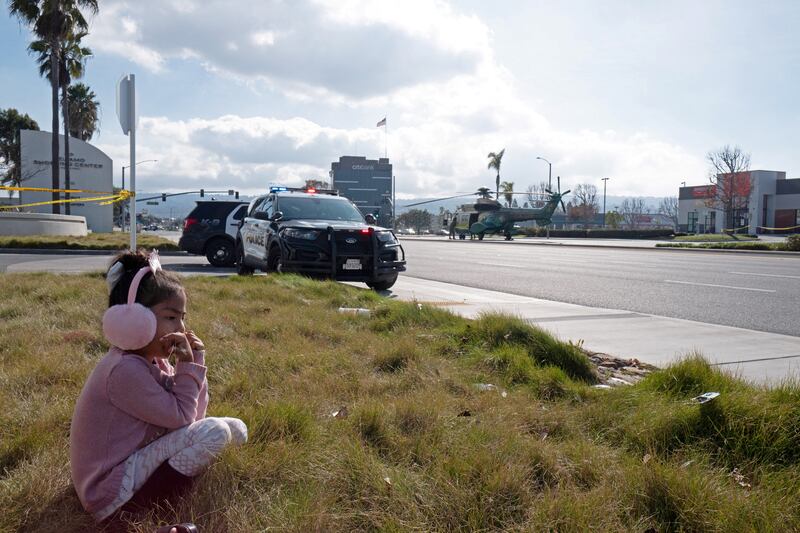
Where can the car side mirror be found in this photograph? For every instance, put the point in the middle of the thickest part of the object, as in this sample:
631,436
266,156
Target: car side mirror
277,216
261,215
370,219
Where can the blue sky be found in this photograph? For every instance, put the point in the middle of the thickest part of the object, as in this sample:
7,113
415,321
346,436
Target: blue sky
240,94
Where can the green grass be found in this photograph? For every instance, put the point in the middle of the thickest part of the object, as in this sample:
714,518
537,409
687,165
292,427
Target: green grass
773,246
421,447
93,241
715,237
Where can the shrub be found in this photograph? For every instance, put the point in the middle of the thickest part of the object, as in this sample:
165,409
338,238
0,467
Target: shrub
793,243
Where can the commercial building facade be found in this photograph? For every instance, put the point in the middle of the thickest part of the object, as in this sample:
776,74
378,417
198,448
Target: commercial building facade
367,183
773,206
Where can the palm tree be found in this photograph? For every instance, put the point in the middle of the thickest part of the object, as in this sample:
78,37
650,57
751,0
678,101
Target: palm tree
83,111
72,58
494,162
508,190
52,21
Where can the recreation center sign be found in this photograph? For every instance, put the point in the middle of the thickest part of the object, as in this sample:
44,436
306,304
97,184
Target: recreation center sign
90,169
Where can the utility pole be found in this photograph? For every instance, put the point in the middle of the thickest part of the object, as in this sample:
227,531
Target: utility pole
122,207
605,182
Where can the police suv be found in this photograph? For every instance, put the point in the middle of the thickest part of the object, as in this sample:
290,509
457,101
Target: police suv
317,232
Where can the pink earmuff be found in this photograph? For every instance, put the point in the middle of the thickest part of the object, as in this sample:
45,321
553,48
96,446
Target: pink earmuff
130,326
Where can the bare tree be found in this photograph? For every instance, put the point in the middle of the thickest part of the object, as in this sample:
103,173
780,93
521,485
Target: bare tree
731,182
632,210
669,207
583,206
536,193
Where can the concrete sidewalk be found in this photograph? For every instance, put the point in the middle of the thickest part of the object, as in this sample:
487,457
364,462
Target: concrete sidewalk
754,355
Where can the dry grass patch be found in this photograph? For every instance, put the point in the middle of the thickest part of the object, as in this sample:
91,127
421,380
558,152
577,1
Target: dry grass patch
376,423
93,241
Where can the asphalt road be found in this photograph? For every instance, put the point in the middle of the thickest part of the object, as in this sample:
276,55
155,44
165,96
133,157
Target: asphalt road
759,292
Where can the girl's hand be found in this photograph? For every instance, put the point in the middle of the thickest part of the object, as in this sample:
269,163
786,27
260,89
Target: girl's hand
195,341
178,345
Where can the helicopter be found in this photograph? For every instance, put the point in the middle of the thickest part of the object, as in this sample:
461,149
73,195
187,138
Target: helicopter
487,216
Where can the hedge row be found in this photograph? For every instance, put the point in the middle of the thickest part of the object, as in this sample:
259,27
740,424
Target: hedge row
601,233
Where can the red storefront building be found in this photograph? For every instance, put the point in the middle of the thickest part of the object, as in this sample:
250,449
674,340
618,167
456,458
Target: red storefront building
757,201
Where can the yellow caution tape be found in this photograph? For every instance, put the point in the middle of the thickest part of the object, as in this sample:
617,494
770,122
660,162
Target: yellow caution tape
779,229
106,199
735,229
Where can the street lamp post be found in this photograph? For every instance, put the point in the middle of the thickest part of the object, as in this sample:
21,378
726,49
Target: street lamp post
122,225
605,182
549,182
549,172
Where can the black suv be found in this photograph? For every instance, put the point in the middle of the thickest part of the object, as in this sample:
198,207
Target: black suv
317,233
210,230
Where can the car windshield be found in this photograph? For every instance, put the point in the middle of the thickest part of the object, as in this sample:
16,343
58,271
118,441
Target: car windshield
318,207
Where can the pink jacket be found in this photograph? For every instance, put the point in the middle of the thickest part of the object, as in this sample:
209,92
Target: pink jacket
125,404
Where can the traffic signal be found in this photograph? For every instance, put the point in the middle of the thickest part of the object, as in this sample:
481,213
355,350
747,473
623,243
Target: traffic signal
202,192
230,192
163,197
237,195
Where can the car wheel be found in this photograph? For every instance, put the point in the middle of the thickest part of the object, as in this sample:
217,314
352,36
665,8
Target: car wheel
274,259
383,284
220,253
241,268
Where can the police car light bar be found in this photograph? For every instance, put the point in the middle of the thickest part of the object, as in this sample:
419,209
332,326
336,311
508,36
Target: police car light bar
307,190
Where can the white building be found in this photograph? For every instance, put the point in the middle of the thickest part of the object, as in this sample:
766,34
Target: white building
90,169
773,206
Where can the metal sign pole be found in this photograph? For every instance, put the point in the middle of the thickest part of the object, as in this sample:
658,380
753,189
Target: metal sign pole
126,112
132,115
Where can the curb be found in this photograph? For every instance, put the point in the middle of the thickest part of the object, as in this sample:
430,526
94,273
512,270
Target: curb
72,251
621,247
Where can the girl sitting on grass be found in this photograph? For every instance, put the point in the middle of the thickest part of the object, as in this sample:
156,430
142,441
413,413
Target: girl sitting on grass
139,432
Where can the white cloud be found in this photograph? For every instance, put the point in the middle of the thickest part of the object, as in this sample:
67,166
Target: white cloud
449,101
308,44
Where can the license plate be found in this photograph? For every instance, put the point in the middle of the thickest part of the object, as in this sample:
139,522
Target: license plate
352,264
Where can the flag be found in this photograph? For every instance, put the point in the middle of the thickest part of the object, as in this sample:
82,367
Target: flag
380,123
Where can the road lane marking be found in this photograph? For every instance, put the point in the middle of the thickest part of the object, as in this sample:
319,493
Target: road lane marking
765,275
719,286
502,265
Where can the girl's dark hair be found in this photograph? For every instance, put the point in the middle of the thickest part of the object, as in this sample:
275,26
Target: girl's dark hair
153,289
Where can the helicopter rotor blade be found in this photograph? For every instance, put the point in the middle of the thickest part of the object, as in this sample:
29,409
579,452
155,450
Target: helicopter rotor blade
440,199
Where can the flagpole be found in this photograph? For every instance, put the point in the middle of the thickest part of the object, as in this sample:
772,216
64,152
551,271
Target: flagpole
385,138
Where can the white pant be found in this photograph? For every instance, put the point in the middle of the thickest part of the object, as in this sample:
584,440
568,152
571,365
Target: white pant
189,450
